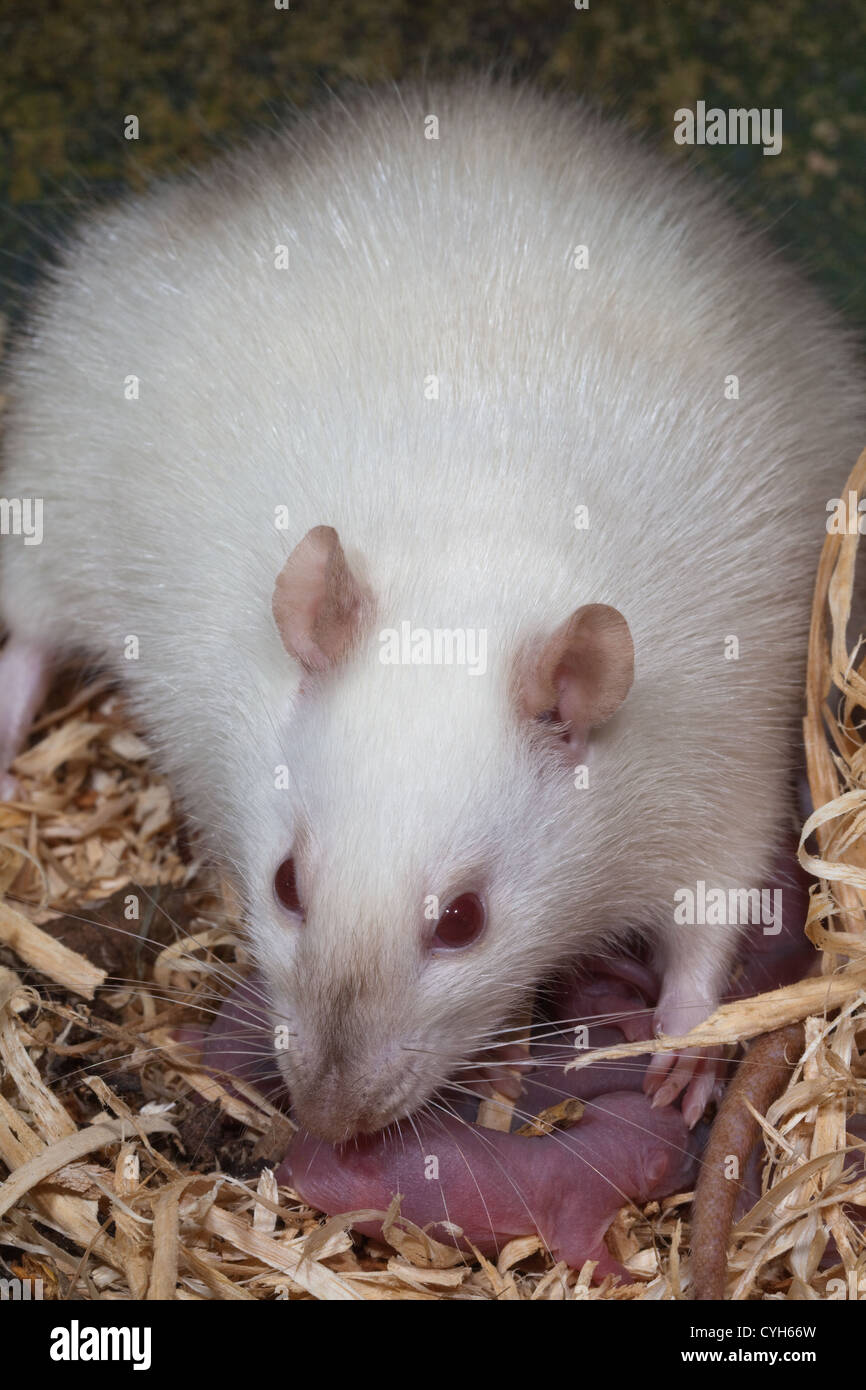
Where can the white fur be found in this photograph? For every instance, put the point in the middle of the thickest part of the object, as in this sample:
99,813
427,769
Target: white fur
557,387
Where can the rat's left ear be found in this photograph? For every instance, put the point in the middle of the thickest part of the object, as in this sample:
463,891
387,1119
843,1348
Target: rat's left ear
318,604
584,671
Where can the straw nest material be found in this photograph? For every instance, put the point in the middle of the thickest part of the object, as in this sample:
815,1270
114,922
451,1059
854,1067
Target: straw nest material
131,1174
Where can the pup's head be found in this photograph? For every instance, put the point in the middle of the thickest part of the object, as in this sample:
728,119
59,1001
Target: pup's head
424,877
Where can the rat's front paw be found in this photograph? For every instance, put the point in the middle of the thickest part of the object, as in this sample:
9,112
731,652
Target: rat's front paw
694,1074
8,787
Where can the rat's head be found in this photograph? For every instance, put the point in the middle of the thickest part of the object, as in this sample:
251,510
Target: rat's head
423,879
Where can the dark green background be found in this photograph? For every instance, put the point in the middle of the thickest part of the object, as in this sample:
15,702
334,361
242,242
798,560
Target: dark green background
199,72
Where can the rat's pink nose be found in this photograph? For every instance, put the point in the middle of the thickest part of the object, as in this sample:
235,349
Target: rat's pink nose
345,1100
333,1116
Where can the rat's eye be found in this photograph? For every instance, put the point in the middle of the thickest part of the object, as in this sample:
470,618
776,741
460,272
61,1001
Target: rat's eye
286,887
461,923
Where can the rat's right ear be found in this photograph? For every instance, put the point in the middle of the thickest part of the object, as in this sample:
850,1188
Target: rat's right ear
318,604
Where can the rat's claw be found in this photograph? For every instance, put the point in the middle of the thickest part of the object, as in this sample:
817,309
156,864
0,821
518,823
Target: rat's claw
700,1089
660,1065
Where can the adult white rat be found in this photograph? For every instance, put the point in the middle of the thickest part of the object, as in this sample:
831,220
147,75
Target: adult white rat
466,360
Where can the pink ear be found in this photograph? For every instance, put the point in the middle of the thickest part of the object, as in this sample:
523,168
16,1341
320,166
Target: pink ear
584,671
317,603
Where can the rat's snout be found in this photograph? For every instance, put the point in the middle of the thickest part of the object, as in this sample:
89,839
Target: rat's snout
348,1096
358,1053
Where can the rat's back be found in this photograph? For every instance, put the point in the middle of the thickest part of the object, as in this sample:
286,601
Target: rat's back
440,323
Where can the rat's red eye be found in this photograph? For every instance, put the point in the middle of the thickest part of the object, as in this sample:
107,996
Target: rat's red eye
461,923
286,887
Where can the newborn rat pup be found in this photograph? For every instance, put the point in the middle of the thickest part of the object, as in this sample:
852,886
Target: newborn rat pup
443,478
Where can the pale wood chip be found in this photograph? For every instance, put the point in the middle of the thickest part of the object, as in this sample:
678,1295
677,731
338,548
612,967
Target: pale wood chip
50,957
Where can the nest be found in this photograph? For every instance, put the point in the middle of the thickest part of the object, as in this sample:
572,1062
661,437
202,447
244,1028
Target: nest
132,1174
